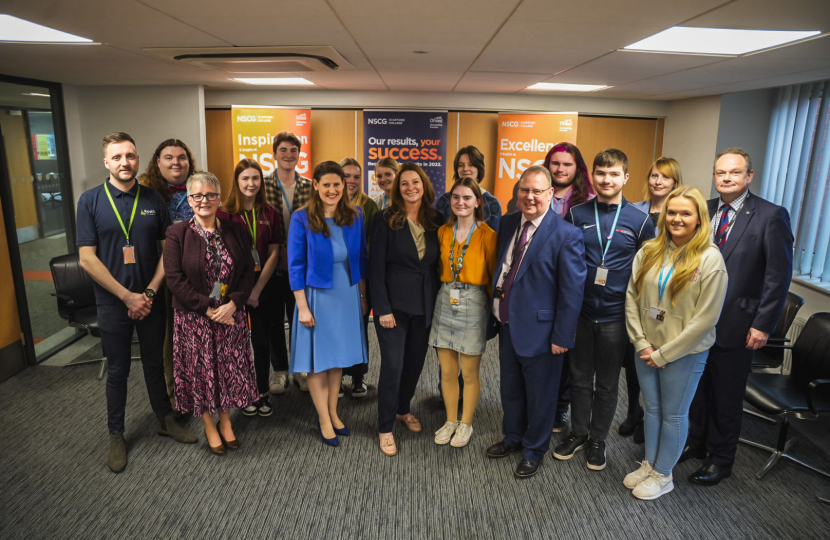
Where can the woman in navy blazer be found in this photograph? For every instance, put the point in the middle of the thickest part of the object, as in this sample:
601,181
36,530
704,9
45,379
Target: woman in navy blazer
327,259
404,283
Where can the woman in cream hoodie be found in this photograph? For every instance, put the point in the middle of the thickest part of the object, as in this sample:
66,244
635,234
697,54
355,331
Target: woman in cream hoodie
673,302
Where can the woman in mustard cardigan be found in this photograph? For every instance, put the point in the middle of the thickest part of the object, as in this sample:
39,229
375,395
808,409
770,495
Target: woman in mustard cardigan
468,261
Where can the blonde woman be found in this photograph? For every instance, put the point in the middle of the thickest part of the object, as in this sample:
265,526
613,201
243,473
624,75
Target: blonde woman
664,176
673,303
385,172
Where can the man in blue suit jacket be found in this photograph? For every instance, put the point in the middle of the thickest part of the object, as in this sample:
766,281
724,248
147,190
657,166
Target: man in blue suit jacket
756,241
537,295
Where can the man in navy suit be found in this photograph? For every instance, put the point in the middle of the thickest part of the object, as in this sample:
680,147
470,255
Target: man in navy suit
537,295
756,241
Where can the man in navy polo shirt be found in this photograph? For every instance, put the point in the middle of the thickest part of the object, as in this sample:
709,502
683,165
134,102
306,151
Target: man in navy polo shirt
121,231
614,230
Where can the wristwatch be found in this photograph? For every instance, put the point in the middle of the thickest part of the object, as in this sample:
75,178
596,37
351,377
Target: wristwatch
149,293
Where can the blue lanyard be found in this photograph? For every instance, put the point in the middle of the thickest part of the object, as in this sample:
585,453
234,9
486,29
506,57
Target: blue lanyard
284,196
661,283
384,201
611,235
456,272
558,202
181,201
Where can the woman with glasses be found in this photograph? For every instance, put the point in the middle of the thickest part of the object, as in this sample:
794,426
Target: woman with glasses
459,321
246,205
385,172
210,271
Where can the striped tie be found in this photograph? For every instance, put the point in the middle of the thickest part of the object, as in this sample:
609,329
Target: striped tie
723,227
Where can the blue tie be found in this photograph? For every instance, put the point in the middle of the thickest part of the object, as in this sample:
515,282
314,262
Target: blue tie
723,227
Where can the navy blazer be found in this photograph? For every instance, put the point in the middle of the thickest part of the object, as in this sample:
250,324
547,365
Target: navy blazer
759,260
546,297
398,280
311,257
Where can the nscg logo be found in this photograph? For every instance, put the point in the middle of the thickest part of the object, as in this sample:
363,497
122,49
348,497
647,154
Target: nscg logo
436,120
246,118
376,121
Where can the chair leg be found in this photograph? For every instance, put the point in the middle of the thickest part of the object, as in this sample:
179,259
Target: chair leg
773,459
825,501
103,368
759,415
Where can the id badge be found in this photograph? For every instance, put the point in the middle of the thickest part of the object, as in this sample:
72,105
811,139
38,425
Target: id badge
216,292
255,254
129,254
602,276
657,314
455,297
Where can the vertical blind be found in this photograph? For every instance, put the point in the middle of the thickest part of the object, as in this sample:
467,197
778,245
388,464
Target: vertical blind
796,173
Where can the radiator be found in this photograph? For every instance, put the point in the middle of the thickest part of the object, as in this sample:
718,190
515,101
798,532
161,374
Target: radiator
792,335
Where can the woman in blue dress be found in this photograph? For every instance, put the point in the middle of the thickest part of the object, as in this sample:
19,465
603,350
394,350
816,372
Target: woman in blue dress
327,259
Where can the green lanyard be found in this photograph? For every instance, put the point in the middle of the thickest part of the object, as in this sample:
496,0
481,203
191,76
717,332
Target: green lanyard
118,215
250,230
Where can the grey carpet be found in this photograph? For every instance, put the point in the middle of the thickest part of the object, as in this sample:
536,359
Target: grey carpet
284,483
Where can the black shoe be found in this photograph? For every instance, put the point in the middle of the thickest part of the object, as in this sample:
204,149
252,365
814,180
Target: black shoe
570,446
628,427
500,450
263,405
639,434
359,389
710,475
596,455
691,453
527,468
561,422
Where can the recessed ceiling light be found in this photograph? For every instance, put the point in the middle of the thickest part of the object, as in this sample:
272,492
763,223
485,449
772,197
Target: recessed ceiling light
567,87
36,94
275,81
17,30
725,41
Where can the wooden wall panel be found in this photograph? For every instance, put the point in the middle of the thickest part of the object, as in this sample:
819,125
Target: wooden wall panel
219,138
10,329
482,131
20,170
332,135
634,136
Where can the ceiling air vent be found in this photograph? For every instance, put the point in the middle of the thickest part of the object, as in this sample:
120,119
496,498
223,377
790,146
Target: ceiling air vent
259,60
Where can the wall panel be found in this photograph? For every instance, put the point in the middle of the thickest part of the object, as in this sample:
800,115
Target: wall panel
20,170
219,137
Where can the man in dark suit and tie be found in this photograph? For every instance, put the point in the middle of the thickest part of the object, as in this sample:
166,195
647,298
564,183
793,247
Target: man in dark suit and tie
756,241
537,295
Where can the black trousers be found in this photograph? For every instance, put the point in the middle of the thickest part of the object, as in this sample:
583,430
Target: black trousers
357,371
403,350
263,318
116,338
717,408
563,402
283,305
632,383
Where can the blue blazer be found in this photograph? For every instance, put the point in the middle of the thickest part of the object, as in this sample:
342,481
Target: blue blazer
759,260
311,257
547,293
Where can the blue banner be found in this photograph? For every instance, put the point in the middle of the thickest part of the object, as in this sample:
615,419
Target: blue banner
407,137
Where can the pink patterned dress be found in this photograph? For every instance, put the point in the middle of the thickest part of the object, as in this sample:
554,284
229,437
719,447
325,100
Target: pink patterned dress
213,364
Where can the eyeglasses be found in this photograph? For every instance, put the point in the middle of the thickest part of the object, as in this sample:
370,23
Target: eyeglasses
536,192
199,197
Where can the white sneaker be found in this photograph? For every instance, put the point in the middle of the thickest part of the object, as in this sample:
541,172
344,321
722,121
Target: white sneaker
443,435
462,435
279,380
653,487
302,381
632,479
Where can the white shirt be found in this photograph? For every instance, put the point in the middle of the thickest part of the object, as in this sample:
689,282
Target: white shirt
508,257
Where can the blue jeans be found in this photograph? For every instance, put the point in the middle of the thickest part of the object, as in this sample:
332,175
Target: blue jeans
668,395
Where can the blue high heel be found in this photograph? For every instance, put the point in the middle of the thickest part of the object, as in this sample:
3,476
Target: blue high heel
334,441
343,432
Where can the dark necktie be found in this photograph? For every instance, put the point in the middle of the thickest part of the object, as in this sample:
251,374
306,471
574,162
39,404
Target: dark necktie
518,250
723,227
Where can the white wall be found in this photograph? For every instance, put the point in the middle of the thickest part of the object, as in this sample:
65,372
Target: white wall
436,100
691,137
150,114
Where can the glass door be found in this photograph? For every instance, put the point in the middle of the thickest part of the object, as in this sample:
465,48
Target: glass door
40,201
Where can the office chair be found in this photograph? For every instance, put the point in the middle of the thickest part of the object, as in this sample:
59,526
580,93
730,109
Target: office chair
804,393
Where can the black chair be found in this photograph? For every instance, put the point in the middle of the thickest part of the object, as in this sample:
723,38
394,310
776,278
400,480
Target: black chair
803,394
75,292
772,356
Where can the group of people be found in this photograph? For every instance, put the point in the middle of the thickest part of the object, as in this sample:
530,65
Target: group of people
574,294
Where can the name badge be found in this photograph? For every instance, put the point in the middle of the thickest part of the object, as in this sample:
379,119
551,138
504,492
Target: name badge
216,292
602,276
455,297
657,314
129,254
255,255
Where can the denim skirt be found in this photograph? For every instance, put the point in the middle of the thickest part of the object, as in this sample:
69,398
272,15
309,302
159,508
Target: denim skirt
461,327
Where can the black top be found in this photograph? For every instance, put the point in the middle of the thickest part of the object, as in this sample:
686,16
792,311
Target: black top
398,280
98,226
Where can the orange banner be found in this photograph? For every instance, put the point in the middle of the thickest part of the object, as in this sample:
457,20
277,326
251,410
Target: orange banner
254,129
524,140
